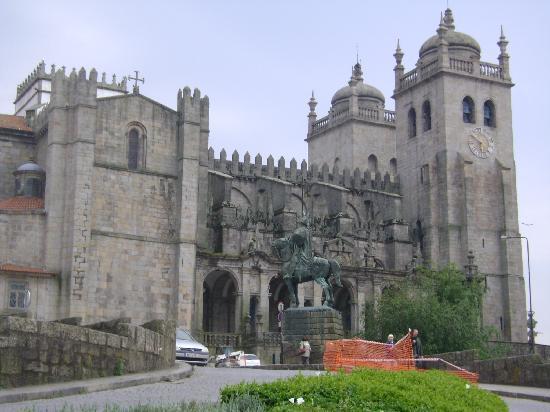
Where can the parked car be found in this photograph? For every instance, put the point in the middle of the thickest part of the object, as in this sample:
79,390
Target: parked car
249,359
237,359
189,349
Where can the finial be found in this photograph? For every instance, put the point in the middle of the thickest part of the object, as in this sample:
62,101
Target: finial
357,53
449,19
312,103
398,54
442,29
502,42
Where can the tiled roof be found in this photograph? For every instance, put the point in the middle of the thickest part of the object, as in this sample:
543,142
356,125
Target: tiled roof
8,267
8,121
22,203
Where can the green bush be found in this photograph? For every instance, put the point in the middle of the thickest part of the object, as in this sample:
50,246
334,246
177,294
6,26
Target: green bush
119,367
441,304
370,390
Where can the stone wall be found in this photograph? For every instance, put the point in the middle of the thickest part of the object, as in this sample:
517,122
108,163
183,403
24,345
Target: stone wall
22,237
36,352
527,370
518,368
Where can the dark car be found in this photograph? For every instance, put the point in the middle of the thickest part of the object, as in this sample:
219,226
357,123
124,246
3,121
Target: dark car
189,349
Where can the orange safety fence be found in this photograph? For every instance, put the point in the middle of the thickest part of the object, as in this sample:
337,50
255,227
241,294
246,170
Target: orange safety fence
347,354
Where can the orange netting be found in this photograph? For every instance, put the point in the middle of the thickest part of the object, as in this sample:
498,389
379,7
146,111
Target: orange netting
347,354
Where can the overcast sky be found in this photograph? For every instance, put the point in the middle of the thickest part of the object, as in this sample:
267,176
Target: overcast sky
259,61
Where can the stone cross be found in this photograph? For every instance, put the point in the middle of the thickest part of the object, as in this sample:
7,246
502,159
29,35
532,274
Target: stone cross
136,80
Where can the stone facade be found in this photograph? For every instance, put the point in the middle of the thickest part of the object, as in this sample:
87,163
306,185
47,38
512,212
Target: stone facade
140,218
35,352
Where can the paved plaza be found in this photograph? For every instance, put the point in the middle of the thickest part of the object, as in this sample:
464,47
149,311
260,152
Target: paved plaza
203,385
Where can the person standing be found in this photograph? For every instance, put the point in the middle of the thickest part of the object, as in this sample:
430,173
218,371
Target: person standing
416,347
305,350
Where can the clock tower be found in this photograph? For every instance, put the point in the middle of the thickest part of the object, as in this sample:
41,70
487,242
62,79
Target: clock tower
456,162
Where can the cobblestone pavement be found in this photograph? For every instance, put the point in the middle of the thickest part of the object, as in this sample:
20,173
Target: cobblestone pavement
203,385
526,405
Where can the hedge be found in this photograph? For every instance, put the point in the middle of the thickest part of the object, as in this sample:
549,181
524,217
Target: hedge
369,390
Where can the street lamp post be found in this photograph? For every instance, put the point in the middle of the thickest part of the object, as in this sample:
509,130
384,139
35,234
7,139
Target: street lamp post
530,313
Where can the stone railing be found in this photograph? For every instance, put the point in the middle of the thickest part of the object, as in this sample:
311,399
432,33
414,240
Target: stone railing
494,71
389,116
320,124
368,113
490,70
428,69
365,113
214,339
408,79
35,352
461,65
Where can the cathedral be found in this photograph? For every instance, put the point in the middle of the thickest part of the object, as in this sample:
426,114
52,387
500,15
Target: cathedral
114,205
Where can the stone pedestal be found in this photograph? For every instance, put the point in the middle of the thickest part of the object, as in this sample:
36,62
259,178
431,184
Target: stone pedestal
319,323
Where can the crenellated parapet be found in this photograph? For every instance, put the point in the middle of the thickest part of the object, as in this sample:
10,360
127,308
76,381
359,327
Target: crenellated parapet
40,73
193,107
354,180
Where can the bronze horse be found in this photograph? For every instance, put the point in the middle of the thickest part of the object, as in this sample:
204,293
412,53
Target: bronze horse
320,270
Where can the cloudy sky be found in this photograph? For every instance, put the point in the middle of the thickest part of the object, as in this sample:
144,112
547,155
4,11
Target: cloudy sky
259,61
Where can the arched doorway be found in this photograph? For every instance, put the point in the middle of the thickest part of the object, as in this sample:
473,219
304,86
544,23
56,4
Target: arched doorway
219,302
343,304
278,293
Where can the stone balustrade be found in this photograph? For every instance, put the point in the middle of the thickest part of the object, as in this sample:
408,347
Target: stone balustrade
493,71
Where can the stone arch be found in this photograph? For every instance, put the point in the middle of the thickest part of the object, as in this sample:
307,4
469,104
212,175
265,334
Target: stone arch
489,113
220,303
136,145
346,303
240,199
296,203
372,163
277,292
393,166
354,214
468,110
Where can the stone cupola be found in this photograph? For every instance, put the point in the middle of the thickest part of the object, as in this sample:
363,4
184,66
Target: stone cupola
459,45
364,94
29,180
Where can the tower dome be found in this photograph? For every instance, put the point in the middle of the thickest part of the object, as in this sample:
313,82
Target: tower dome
29,180
458,42
365,92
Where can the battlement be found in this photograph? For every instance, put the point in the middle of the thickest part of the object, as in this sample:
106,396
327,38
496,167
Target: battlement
34,92
356,181
39,73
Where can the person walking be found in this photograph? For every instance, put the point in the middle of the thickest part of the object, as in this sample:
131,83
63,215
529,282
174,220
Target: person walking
305,350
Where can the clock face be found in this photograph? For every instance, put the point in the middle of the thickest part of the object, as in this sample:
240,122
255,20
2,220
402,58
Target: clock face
481,143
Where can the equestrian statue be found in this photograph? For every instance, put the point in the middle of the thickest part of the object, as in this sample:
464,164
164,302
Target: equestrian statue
300,265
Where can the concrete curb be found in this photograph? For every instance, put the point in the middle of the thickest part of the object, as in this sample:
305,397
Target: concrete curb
520,395
55,390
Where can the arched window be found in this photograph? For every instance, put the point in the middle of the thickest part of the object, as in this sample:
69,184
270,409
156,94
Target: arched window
136,147
468,110
393,166
426,116
412,123
489,114
373,163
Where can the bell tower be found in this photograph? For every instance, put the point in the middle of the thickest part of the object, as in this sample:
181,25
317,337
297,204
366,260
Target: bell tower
456,162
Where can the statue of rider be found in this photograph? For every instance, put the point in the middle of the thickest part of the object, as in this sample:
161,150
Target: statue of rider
302,253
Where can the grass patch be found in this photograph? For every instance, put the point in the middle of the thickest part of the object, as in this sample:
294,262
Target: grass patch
370,390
